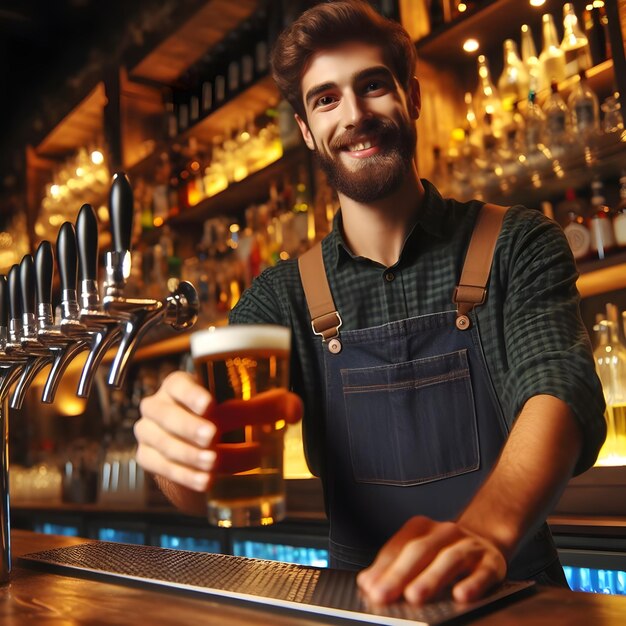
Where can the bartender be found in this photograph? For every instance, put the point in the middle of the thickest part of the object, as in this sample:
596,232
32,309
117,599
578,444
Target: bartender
449,388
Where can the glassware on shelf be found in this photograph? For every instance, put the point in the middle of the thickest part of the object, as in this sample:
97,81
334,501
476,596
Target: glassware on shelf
575,44
613,121
552,58
595,23
530,59
536,157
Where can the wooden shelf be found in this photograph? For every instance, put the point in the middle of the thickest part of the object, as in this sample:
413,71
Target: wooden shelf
206,27
237,196
254,100
494,22
78,129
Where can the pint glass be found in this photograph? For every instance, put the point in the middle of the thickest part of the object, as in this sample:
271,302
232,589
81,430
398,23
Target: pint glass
237,364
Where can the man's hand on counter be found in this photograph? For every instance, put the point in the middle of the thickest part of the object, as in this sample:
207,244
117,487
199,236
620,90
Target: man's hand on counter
426,557
178,431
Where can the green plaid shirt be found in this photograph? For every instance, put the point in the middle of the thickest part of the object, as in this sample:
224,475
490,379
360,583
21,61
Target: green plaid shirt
530,326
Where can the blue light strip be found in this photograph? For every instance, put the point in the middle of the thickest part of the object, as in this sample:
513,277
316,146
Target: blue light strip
596,580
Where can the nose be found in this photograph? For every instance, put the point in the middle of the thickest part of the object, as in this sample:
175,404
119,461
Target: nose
355,110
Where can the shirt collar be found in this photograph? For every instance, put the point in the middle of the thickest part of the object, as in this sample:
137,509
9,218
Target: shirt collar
431,219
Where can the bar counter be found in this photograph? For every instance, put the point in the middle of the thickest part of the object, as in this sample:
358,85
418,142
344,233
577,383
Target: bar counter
34,597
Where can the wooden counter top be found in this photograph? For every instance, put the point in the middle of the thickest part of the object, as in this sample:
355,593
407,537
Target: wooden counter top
34,597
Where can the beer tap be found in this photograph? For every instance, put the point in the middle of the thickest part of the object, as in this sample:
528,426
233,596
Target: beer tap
13,346
105,328
76,336
38,355
138,315
10,369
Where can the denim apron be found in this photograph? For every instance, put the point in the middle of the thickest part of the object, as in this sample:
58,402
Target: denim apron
413,427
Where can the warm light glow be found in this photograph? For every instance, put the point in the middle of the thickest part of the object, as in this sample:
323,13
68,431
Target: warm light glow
471,45
234,228
537,3
157,221
97,158
80,171
461,7
55,191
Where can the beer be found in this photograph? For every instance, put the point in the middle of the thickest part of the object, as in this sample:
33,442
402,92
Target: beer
238,364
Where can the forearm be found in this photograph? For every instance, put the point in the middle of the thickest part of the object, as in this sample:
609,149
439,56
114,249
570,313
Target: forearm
537,461
188,501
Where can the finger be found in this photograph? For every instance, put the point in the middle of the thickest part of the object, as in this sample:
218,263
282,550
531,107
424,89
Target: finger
414,528
153,461
265,408
172,448
450,563
233,458
177,420
479,582
184,389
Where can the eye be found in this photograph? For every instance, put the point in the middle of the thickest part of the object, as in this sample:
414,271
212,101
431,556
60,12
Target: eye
324,101
375,87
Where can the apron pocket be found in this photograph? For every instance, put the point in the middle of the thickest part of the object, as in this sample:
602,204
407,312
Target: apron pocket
413,422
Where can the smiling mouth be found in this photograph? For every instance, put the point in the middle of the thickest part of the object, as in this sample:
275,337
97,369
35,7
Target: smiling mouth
357,147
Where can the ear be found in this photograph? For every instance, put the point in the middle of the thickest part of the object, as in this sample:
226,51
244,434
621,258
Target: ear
306,133
414,98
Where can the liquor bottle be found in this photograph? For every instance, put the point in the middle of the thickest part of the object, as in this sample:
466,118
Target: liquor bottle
596,29
171,123
613,121
436,14
577,235
570,204
206,72
487,98
584,108
575,44
552,58
220,89
534,124
619,221
610,358
233,45
513,82
600,222
557,127
530,59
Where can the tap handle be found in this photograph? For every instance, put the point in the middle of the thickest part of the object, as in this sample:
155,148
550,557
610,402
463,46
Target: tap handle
121,212
15,297
4,301
66,256
87,240
44,268
27,284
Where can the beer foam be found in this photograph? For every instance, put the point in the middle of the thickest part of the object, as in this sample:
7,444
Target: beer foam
239,337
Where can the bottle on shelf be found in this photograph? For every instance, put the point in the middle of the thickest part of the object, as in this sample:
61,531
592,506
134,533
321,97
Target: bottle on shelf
487,99
557,135
513,82
436,14
530,59
619,221
552,58
577,235
575,44
585,113
536,157
600,222
610,358
613,120
571,203
596,29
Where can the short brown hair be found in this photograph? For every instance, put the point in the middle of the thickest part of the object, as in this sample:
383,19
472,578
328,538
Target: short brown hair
332,23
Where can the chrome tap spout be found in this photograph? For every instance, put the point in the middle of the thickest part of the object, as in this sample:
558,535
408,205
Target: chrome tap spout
62,358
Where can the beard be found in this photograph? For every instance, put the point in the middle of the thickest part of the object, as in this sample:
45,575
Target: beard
379,175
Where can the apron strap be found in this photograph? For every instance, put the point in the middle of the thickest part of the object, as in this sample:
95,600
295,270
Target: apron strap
472,287
325,320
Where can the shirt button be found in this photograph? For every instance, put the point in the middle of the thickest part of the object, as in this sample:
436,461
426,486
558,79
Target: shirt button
389,276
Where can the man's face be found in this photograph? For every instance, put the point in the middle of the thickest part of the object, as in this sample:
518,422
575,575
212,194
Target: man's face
360,122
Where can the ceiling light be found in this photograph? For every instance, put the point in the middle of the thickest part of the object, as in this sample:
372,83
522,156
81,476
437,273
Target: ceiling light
471,45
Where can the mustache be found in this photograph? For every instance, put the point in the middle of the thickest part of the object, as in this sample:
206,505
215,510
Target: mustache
381,129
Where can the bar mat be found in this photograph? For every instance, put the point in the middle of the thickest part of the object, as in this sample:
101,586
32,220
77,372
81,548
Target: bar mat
327,592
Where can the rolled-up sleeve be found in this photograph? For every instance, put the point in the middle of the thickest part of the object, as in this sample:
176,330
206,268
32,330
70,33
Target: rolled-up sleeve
547,346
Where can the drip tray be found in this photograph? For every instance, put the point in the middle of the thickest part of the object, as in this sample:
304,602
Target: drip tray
327,592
